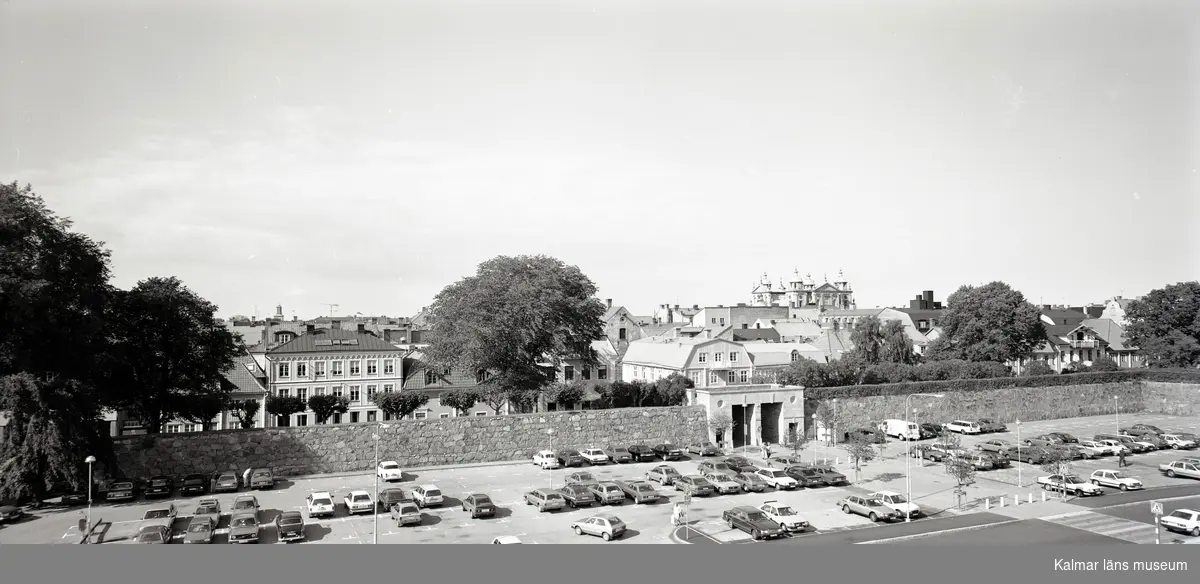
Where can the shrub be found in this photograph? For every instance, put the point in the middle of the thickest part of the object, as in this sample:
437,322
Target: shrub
1035,368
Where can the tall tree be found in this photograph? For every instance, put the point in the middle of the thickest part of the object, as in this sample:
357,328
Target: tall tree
897,345
462,400
720,422
326,406
400,404
566,394
518,318
204,409
992,322
54,299
172,352
867,337
245,410
1165,325
672,390
282,407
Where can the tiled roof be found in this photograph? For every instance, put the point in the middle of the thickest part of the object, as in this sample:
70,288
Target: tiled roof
244,376
605,349
922,313
767,334
1061,316
1056,332
1111,332
833,343
773,354
666,352
653,330
251,335
323,341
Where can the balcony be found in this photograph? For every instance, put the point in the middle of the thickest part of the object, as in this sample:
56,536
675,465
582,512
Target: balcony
1083,344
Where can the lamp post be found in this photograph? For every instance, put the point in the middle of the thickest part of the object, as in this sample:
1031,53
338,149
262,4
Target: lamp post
833,425
1020,483
1117,409
908,459
90,461
375,500
550,433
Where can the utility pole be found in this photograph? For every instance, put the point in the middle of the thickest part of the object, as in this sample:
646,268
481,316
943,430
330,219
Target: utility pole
332,307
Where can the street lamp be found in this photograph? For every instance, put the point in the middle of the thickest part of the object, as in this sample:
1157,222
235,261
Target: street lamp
1020,483
908,459
833,424
90,461
375,500
1117,409
550,433
815,440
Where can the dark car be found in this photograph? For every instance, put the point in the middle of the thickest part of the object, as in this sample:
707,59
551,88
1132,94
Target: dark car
832,477
577,495
668,451
122,491
570,458
752,521
479,505
931,430
618,455
244,528
224,482
153,534
704,449
200,530
193,484
990,425
1139,429
389,497
997,459
1064,437
9,513
806,476
740,463
642,453
80,497
159,486
290,526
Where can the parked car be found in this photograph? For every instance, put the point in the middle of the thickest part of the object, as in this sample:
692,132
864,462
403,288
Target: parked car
964,427
244,504
479,505
320,504
1116,479
989,425
1115,446
358,502
582,477
200,530
996,445
223,482
714,466
668,451
545,500
604,526
784,461
406,513
607,493
210,508
389,470
618,455
290,526
805,476
995,459
752,521
898,503
427,496
1083,451
663,474
570,458
1155,440
261,478
161,515
1139,429
900,429
577,495
244,528
389,497
872,436
1044,441
1129,442
723,482
832,477
1064,437
1178,442
696,485
783,515
1031,454
872,509
594,456
159,486
546,459
751,482
778,478
1182,520
704,449
193,484
931,431
1073,484
740,463
642,453
1099,448
153,534
639,491
1180,468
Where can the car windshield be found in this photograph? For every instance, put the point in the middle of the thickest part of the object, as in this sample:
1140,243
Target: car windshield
244,504
159,482
482,500
895,498
262,474
1073,479
157,514
409,509
122,486
322,502
583,476
1118,475
392,466
149,537
290,520
206,510
193,481
777,473
874,503
1181,514
433,493
227,479
553,496
244,522
200,527
783,511
700,482
670,471
362,498
643,487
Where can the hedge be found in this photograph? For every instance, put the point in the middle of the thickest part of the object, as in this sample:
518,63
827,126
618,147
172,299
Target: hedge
966,385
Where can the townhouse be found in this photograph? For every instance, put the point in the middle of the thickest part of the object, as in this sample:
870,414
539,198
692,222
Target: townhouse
707,362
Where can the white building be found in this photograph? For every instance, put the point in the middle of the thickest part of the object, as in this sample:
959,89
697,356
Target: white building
707,362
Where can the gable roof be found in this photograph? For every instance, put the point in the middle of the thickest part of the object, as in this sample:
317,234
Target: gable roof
614,310
768,354
1063,316
322,341
1111,332
1055,333
672,353
244,375
768,334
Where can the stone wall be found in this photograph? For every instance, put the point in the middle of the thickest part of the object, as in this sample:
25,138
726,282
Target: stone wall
1176,399
349,447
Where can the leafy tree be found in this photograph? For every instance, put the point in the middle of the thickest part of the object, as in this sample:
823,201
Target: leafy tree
720,422
515,315
867,337
325,406
282,407
462,400
1037,367
766,376
566,395
245,411
797,440
897,345
1077,367
991,322
1165,325
986,370
1104,364
845,371
1058,461
890,373
828,418
204,409
171,351
400,404
672,390
804,372
960,468
860,449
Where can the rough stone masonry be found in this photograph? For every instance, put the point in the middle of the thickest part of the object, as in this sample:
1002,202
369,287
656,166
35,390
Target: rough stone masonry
412,443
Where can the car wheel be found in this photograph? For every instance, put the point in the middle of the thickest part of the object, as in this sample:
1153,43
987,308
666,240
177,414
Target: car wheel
1196,532
1171,473
873,517
1174,447
578,530
1078,493
846,509
464,507
1096,482
1124,487
606,536
755,534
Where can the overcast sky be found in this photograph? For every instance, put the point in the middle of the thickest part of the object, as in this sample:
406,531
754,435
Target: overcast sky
310,152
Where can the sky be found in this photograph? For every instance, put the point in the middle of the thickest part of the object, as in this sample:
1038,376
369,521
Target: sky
368,154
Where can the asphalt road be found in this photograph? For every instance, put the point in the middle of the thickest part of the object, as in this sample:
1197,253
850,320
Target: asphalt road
898,529
1141,512
1114,498
1021,533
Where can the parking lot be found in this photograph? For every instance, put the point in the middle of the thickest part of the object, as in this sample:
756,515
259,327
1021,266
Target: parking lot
506,484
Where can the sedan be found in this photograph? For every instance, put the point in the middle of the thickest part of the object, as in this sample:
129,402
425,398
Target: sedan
723,482
740,464
872,509
121,491
704,449
1116,479
570,458
668,451
153,534
605,526
832,477
584,478
389,470
1183,520
751,482
805,476
1099,448
641,453
618,455
193,484
199,530
479,505
290,526
1069,484
160,486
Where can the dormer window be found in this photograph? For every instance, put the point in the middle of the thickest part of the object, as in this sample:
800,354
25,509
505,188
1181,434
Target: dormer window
284,337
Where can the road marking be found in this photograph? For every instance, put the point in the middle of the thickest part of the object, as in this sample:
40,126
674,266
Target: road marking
497,490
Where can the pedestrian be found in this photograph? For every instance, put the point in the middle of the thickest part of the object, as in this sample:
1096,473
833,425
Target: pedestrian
1121,458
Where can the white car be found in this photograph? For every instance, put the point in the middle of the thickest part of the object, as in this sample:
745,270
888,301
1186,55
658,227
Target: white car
506,539
897,502
1146,446
358,502
777,478
1100,448
594,456
546,459
427,496
320,504
1116,479
1070,483
389,470
1117,446
784,515
1177,442
963,427
723,483
1184,520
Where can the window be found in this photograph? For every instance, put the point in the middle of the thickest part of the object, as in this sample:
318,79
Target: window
319,391
733,356
285,369
337,391
284,392
284,337
389,387
319,369
172,428
355,394
743,375
722,322
621,334
371,391
695,375
704,357
717,357
302,419
336,369
714,320
712,378
795,356
430,378
586,372
301,369
337,418
731,377
372,367
389,366
189,427
354,368
372,414
302,393
602,373
480,376
569,372
443,416
480,413
420,415
353,417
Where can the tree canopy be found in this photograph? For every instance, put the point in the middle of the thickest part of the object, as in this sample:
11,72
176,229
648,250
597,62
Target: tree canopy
992,322
462,400
517,318
1165,325
399,405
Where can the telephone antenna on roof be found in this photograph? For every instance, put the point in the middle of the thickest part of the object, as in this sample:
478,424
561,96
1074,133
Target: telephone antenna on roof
332,307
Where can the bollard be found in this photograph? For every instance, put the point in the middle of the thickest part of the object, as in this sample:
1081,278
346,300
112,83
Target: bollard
1016,500
1043,496
1030,497
987,504
1001,500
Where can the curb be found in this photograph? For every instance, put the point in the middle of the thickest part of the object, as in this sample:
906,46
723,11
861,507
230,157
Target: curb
414,469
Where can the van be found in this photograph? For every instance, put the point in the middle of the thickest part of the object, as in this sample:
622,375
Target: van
901,430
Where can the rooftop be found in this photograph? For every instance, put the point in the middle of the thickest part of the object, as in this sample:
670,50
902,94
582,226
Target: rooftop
334,341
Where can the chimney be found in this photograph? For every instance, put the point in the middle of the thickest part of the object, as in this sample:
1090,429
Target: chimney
608,302
336,325
1046,307
695,307
929,296
362,327
387,335
741,304
309,328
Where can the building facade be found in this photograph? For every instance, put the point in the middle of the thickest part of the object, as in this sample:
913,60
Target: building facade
802,292
707,362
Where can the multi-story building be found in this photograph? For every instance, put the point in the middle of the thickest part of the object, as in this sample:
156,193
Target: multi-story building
707,362
1084,342
354,364
804,292
1114,310
924,311
717,319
